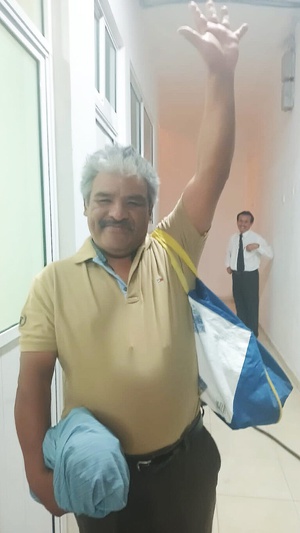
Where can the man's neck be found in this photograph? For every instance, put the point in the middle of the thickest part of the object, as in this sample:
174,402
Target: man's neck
121,266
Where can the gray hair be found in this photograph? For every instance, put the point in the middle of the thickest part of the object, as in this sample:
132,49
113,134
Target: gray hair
124,160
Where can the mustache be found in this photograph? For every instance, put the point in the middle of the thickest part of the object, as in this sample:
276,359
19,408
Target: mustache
115,224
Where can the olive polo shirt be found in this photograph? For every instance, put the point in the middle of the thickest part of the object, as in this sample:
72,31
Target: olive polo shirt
129,358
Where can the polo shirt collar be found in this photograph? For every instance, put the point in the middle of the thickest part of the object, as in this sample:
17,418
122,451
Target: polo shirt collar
85,253
88,252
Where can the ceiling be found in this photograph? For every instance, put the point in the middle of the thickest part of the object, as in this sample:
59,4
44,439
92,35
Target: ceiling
178,70
271,3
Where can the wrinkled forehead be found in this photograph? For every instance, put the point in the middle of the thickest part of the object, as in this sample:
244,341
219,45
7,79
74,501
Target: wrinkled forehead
116,183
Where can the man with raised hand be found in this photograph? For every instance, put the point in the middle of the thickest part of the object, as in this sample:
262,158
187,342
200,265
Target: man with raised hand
118,320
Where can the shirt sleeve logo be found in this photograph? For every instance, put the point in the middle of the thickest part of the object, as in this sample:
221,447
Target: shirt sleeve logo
22,321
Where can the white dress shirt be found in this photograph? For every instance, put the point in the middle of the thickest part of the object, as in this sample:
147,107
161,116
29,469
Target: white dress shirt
251,259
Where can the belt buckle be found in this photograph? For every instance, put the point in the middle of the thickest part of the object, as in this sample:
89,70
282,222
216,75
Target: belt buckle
141,464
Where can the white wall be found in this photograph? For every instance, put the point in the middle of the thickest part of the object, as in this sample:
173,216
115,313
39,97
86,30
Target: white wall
74,105
280,198
130,18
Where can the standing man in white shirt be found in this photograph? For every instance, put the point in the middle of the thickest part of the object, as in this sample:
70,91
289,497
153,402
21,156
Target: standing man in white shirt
244,252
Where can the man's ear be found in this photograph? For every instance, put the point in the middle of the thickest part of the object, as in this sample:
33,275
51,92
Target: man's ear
84,208
151,214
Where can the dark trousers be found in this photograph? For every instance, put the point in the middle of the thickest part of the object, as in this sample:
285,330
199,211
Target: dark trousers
175,493
245,288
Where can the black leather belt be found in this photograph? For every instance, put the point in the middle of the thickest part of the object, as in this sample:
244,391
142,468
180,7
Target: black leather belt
159,458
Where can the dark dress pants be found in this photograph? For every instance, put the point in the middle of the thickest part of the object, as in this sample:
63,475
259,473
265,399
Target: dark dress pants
176,495
245,288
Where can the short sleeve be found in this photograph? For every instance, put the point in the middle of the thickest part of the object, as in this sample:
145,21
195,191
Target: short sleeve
37,331
179,226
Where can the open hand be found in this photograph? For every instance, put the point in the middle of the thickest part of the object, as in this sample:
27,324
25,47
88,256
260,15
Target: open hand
217,43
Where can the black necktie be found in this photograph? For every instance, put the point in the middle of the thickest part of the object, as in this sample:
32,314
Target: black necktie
240,266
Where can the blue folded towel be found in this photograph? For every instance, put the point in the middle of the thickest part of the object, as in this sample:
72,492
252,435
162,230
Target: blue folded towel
90,473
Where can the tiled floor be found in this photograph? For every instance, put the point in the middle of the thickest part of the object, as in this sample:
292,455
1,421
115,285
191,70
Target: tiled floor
259,482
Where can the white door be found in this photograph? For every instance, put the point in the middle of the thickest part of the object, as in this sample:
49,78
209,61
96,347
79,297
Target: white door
26,232
19,513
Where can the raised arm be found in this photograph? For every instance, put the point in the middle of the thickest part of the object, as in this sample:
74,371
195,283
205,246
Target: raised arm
33,418
218,45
